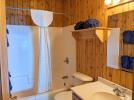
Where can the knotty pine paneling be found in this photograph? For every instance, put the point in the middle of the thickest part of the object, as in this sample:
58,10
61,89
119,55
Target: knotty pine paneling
91,53
77,10
90,56
19,17
3,54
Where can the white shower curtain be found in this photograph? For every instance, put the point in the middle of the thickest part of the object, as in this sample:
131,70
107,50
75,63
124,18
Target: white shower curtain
45,74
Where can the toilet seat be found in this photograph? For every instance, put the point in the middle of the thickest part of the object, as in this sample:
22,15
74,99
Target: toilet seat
66,95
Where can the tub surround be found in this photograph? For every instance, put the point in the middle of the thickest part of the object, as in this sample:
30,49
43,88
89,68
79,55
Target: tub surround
84,92
62,46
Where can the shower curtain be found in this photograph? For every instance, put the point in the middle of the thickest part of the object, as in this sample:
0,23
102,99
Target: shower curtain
45,74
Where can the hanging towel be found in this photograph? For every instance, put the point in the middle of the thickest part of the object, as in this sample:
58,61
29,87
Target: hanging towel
128,37
131,62
125,62
132,38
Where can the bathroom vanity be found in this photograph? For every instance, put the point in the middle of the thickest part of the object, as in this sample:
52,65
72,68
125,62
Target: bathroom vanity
100,90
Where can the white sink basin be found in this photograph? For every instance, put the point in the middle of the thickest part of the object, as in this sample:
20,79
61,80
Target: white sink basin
104,96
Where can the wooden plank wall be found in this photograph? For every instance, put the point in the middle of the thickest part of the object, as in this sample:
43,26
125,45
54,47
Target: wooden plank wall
91,53
18,17
90,56
77,10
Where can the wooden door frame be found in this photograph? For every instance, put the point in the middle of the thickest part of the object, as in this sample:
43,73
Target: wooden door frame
3,52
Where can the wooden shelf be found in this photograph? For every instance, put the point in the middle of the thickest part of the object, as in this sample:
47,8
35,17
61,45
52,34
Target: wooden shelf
100,28
101,33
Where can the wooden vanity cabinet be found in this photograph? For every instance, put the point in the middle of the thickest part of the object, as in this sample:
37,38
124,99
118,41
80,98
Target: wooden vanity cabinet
75,97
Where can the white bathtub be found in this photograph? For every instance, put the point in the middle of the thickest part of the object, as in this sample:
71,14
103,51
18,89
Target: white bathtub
44,96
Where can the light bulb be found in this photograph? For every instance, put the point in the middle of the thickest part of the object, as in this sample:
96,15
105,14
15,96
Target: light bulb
116,1
108,2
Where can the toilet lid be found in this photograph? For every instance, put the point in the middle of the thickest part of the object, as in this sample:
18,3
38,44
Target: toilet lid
67,95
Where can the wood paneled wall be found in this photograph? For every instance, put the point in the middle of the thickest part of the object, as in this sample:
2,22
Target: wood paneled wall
19,17
77,10
91,53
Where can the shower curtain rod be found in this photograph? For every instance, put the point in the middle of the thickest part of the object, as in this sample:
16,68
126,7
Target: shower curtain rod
27,9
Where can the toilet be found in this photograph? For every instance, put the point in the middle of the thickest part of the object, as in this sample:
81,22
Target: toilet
78,79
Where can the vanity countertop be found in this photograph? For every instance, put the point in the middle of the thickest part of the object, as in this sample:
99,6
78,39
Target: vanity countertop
87,90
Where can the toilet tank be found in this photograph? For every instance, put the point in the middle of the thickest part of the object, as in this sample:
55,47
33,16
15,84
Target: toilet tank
80,78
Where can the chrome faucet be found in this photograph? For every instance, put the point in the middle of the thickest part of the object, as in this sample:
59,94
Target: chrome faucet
119,92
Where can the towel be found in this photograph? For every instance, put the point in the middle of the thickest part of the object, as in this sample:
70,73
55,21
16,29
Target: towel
90,23
132,38
79,25
125,62
128,37
131,62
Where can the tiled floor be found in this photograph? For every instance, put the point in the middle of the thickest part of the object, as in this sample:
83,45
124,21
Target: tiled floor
38,97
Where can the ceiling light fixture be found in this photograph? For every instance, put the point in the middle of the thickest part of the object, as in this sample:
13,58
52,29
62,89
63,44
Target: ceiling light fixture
116,1
108,2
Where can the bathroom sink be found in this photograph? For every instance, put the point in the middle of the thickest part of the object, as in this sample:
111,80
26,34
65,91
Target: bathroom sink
104,96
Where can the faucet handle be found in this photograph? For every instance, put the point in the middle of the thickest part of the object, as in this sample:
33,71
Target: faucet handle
120,91
116,89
